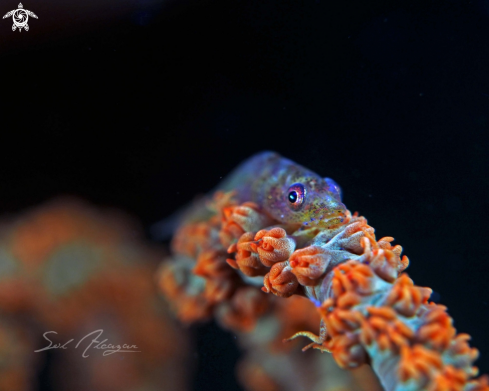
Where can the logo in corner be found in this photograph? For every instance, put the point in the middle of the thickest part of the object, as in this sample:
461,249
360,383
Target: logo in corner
20,16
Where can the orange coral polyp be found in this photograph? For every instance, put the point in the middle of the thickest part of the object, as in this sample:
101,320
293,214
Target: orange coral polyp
309,264
407,298
348,300
383,326
239,219
193,238
451,379
280,280
437,331
218,290
382,257
247,258
352,276
273,246
418,363
242,312
212,264
351,236
347,351
220,201
339,321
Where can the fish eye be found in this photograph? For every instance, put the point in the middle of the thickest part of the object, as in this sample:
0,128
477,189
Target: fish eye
296,195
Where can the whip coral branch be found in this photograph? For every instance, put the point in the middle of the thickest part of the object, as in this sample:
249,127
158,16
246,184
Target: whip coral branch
371,312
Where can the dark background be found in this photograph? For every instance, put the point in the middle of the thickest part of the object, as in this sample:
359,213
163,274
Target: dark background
143,104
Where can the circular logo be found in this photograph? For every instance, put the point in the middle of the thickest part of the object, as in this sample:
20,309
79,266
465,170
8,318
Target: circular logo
20,17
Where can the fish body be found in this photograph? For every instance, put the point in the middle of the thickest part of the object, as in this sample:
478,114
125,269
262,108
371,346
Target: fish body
286,191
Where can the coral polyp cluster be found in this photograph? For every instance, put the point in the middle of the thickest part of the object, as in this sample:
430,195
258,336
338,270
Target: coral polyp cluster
371,312
410,342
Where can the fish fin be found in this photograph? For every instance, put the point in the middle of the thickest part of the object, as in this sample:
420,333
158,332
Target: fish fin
334,187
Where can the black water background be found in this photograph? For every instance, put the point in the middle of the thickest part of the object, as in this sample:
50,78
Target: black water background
141,107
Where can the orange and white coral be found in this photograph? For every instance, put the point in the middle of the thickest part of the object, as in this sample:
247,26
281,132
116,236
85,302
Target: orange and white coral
371,311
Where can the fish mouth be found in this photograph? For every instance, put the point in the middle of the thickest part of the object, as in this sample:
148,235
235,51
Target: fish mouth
329,223
335,221
328,220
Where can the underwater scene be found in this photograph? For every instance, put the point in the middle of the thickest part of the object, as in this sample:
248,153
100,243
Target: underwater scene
244,195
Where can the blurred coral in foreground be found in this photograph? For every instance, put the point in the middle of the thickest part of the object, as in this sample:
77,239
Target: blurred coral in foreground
74,269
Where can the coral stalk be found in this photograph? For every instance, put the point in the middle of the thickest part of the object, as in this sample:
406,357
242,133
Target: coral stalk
371,312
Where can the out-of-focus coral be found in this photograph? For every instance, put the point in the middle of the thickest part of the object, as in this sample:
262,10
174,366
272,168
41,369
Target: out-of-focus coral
18,363
73,269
